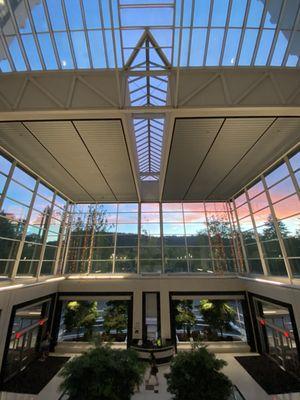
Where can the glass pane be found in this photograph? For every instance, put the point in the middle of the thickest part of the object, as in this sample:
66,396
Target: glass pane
56,15
16,54
287,207
255,189
150,217
41,204
47,51
4,165
74,14
240,200
176,266
31,251
14,210
64,52
48,267
92,14
27,267
255,266
219,14
126,267
80,49
105,253
38,15
101,267
8,249
192,207
149,253
10,228
45,192
259,202
31,52
248,46
22,177
290,229
150,266
173,217
276,175
277,267
263,216
243,211
231,47
19,193
282,189
214,47
201,266
255,13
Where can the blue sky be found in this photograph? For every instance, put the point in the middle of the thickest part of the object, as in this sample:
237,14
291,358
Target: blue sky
68,37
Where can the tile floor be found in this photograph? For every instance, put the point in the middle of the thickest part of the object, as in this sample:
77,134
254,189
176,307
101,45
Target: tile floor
246,384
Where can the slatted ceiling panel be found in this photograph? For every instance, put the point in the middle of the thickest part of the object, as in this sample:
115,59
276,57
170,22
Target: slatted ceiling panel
191,141
105,140
283,135
16,139
234,140
62,140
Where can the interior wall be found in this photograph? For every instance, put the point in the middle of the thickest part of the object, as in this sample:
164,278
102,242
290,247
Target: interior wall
285,293
11,297
163,285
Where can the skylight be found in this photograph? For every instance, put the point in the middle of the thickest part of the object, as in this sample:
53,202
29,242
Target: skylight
90,34
149,140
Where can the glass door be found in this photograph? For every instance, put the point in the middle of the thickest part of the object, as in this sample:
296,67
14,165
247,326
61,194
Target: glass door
277,335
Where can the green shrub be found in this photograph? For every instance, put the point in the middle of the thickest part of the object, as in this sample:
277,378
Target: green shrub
196,375
102,374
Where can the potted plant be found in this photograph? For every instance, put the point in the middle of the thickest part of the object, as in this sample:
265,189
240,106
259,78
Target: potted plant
196,375
102,374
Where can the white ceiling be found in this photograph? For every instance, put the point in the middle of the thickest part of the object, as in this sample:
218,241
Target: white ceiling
87,160
212,158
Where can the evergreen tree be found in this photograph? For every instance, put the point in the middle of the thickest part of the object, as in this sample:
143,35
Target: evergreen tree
217,314
115,316
81,314
185,317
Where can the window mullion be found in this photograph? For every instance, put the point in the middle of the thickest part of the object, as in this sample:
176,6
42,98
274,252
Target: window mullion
21,245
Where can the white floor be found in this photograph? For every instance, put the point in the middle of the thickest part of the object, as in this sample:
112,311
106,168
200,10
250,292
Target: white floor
238,375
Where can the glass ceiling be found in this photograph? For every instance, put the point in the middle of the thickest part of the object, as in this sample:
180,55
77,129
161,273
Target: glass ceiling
89,34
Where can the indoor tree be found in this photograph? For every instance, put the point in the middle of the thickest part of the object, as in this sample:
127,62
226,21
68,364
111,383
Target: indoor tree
102,374
217,314
195,375
81,314
185,317
115,316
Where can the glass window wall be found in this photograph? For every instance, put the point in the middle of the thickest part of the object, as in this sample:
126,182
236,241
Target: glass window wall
31,222
271,232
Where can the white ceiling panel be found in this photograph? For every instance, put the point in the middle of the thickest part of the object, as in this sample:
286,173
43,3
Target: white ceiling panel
17,140
240,150
234,140
106,142
63,142
191,141
283,134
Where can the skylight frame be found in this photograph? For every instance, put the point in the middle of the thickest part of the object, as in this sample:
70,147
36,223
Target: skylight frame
184,29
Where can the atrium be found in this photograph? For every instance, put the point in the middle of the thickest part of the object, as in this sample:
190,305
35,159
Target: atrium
150,155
